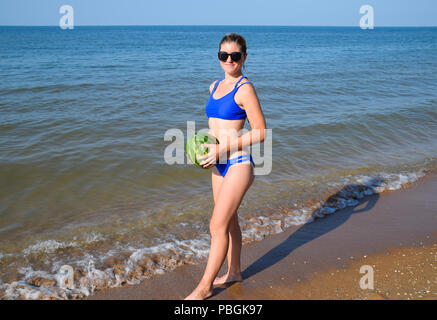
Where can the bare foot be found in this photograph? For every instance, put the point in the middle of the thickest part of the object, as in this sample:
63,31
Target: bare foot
227,278
199,294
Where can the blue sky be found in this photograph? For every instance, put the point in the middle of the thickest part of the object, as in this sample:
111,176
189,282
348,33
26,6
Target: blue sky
220,12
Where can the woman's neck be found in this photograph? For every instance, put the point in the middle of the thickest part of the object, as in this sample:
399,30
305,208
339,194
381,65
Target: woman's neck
232,78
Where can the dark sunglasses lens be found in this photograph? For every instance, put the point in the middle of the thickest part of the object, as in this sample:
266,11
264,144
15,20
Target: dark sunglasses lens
223,56
236,56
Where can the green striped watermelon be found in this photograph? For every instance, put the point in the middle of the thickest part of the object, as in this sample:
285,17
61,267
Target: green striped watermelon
194,147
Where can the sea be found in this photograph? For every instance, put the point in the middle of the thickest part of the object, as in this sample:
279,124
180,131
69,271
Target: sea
87,198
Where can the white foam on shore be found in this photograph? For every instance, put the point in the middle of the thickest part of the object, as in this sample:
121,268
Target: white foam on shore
352,189
142,263
47,246
165,257
93,237
50,246
6,255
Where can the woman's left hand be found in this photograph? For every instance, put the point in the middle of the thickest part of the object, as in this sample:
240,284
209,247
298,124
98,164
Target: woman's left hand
210,159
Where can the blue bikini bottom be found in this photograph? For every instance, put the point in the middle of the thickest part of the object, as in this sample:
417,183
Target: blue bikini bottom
224,167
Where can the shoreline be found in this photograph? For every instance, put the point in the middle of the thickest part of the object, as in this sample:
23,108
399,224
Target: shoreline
401,219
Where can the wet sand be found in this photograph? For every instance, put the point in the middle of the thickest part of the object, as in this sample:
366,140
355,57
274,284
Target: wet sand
394,232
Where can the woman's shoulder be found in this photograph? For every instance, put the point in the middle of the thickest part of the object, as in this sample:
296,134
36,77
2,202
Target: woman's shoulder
246,88
245,80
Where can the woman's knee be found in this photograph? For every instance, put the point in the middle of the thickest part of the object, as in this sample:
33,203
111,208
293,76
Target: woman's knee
234,228
218,227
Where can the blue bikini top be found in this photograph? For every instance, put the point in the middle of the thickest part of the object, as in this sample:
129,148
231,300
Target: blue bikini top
225,107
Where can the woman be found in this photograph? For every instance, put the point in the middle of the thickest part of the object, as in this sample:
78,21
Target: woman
232,99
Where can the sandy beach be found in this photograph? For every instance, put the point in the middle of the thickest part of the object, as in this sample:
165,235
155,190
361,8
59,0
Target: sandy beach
394,232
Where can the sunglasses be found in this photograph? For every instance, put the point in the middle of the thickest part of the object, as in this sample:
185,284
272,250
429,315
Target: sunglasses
235,56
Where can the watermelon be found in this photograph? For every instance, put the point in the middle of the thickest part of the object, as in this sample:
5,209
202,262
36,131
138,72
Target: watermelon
194,147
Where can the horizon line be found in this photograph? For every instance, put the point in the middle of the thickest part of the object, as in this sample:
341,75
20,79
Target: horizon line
221,25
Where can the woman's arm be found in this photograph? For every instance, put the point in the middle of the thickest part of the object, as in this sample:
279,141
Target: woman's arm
248,99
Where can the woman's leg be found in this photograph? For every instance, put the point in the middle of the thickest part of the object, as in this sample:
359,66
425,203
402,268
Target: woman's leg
234,249
233,188
216,180
234,269
234,254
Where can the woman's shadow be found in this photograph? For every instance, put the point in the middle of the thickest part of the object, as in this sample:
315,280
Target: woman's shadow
313,230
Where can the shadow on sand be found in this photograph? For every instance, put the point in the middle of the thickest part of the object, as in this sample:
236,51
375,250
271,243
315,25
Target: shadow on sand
313,230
